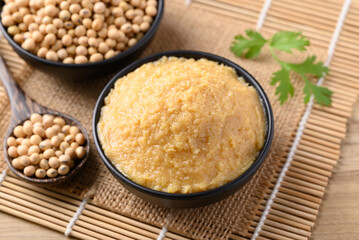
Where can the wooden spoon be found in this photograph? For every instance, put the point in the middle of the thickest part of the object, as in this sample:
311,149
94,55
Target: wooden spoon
22,107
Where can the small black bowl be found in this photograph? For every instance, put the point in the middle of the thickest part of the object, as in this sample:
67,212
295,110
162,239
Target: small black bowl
174,200
87,70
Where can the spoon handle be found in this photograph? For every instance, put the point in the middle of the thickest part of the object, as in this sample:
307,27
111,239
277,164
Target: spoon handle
21,105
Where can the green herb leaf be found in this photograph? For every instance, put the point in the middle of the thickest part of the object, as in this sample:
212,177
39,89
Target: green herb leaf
251,46
285,87
286,41
321,94
309,67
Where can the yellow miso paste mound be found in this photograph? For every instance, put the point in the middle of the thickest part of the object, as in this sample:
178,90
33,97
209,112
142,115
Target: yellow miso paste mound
182,125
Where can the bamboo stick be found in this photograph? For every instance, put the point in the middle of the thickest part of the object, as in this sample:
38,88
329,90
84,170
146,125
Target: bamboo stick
347,34
291,217
121,221
291,18
110,227
340,93
341,107
39,196
35,207
306,172
226,13
304,5
303,189
342,61
321,159
107,234
309,31
215,4
327,157
38,201
236,237
341,76
297,206
32,218
329,116
322,136
340,101
327,131
328,124
346,92
289,222
306,178
303,142
90,207
343,89
338,63
305,13
113,224
300,194
62,197
94,234
250,5
301,234
300,182
277,234
271,235
345,71
346,39
324,4
297,200
351,28
31,212
307,138
262,238
293,211
313,162
42,222
259,4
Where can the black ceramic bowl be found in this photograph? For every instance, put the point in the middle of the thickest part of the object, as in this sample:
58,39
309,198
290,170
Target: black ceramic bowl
87,70
172,200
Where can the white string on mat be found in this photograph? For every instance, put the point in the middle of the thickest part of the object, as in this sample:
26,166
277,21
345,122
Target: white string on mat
303,121
75,217
162,234
3,174
263,14
188,2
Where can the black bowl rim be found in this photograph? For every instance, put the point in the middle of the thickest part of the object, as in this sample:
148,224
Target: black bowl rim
147,36
198,195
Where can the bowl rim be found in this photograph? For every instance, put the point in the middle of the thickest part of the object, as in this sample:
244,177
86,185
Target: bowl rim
246,175
146,37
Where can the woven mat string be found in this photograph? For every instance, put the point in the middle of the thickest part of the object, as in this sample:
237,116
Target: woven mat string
75,217
3,175
263,14
303,121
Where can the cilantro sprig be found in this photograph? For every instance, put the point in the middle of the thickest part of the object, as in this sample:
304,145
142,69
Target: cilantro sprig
286,41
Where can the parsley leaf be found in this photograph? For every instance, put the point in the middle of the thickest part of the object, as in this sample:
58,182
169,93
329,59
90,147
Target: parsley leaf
309,67
321,94
286,41
285,87
252,45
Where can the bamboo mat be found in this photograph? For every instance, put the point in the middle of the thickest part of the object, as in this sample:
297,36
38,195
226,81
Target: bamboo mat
295,207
